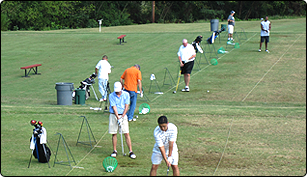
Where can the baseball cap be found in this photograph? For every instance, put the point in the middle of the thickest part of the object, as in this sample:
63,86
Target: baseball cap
232,12
138,66
117,87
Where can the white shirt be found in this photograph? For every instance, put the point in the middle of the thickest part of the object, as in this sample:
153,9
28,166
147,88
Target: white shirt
266,26
104,69
163,138
186,52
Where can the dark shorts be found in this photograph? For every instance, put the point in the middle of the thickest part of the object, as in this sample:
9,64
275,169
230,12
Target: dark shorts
187,67
266,38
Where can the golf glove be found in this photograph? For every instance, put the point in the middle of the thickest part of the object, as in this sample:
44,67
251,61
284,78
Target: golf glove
141,94
119,121
170,159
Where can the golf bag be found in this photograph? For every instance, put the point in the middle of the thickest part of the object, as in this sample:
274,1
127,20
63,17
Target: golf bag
38,142
214,35
85,85
196,43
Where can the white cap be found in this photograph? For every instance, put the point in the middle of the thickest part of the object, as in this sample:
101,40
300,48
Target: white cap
117,87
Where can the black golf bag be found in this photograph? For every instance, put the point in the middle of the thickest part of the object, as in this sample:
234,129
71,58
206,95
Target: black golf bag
214,35
196,43
86,86
41,151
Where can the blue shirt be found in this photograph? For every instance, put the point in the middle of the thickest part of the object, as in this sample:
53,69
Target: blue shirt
119,102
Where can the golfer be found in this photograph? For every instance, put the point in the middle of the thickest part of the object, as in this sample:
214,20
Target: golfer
231,24
165,147
265,33
131,78
186,55
104,68
119,102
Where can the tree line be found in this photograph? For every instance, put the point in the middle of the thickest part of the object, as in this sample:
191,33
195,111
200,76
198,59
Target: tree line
50,15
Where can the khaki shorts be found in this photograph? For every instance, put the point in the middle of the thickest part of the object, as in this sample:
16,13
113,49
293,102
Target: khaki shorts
230,29
113,125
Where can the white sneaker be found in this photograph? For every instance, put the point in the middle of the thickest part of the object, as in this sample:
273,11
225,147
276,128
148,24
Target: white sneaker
101,100
132,155
185,90
259,50
267,51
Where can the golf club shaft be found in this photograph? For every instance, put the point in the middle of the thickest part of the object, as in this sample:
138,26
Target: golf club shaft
167,171
121,138
178,79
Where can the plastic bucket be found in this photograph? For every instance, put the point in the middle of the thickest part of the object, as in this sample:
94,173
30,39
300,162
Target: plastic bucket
79,96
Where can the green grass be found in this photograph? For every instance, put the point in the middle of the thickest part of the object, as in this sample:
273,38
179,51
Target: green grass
251,122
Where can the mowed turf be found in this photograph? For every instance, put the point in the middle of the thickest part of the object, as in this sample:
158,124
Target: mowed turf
251,122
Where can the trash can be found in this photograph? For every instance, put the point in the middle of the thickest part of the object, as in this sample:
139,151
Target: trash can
214,24
64,91
79,96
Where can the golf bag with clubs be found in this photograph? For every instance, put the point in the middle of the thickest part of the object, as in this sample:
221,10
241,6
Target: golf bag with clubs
38,143
214,35
86,86
196,44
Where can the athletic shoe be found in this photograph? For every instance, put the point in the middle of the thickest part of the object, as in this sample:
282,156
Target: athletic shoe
132,120
101,100
267,51
185,90
259,50
114,154
132,155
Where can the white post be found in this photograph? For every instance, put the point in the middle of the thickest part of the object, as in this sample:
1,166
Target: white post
100,22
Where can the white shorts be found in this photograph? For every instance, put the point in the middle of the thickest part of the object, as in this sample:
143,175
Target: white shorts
113,125
156,158
230,29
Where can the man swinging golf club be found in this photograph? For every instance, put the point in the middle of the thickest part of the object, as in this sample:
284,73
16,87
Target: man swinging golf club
165,147
186,55
119,103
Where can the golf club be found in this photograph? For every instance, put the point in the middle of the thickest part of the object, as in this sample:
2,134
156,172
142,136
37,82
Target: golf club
121,138
167,171
177,81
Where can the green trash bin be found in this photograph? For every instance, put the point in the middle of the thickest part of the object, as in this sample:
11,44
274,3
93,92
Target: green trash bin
79,96
224,26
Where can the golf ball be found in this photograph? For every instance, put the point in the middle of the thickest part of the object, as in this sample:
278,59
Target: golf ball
207,90
174,92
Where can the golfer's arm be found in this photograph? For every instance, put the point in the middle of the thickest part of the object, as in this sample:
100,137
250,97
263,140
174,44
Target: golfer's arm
115,111
140,85
96,71
193,56
126,109
122,82
170,151
270,27
180,60
162,149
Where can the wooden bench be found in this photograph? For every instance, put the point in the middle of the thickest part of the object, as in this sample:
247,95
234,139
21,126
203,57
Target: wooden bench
31,67
120,38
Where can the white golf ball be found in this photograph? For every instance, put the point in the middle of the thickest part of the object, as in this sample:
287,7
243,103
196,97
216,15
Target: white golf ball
207,90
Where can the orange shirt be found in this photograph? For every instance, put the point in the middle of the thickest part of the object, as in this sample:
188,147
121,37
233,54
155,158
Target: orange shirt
131,77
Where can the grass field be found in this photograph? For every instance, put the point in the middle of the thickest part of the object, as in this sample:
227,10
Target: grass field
251,122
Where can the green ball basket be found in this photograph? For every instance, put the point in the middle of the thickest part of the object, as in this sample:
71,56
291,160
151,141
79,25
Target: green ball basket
109,164
144,108
213,62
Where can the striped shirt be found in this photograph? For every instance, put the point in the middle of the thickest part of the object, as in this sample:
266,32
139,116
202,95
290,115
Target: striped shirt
163,138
